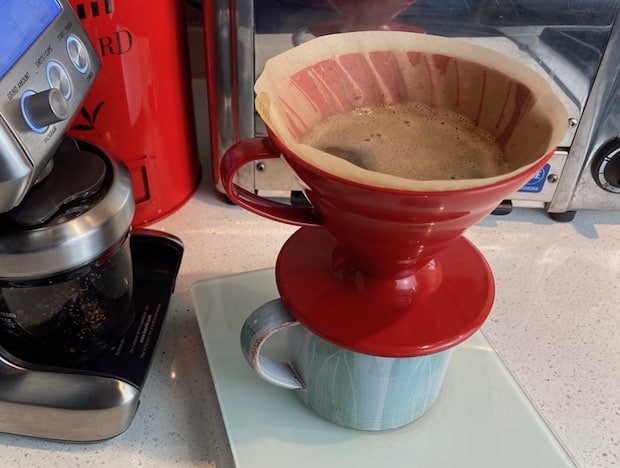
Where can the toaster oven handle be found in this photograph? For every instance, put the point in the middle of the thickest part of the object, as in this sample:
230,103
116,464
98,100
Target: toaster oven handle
250,150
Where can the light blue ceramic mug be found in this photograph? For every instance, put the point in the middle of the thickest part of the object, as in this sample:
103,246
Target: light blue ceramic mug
348,388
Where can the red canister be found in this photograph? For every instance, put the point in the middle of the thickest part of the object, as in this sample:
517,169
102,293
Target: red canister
139,109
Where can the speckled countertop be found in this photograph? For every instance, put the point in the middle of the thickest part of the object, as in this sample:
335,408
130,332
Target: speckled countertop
555,323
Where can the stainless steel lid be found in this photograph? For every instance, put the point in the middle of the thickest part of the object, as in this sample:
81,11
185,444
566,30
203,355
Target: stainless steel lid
69,221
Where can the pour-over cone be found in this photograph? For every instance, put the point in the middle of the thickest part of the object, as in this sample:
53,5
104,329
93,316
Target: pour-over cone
389,258
389,225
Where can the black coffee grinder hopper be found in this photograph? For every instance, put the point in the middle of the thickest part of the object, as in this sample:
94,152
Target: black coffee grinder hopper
98,399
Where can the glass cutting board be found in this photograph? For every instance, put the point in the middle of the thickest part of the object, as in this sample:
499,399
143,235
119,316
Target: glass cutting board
482,418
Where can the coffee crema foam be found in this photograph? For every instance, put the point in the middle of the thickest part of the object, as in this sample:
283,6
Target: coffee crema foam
410,140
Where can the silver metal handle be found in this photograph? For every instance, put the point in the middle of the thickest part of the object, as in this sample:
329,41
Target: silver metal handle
56,404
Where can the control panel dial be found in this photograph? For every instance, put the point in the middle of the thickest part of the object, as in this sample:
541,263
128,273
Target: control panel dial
44,108
47,66
606,167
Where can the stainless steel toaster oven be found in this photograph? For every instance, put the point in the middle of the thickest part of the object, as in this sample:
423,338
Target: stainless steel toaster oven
575,44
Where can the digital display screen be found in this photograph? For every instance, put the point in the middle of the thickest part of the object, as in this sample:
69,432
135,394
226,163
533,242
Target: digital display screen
21,23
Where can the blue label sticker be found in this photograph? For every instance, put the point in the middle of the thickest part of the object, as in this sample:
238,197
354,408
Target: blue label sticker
536,183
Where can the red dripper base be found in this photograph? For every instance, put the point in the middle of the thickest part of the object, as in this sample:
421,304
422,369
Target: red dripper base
434,309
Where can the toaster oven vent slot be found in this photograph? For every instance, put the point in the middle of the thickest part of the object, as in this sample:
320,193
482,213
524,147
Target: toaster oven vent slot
93,8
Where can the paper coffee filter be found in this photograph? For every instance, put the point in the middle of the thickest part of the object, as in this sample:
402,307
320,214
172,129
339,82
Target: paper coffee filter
336,73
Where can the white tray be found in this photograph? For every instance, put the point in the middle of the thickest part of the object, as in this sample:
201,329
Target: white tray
482,418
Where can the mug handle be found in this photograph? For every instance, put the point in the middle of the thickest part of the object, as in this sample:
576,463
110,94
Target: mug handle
258,327
253,149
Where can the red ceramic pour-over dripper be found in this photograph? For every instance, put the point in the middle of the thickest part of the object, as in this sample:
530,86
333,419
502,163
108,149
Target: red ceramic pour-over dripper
387,271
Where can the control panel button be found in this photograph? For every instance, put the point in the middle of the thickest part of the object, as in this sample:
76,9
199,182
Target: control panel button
58,78
78,53
44,108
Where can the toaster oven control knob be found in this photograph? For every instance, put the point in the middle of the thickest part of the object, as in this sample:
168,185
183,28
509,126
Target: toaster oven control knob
44,108
606,169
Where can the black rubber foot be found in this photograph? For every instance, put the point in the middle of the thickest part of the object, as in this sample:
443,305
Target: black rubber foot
504,208
565,217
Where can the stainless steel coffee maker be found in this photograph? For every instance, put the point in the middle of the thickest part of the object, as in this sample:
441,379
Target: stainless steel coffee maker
77,327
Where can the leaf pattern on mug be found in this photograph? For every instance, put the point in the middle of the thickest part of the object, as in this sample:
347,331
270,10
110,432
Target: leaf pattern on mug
368,392
415,385
331,383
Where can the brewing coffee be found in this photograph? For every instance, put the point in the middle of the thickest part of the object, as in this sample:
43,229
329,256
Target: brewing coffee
410,140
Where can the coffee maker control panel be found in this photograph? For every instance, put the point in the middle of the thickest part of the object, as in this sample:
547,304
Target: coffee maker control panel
47,66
